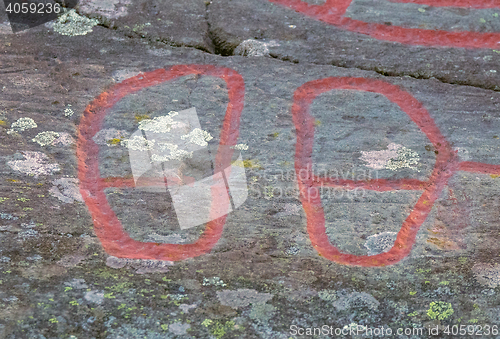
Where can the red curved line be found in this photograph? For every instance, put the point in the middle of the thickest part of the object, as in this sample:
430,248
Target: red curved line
108,228
380,185
445,166
476,4
479,167
332,13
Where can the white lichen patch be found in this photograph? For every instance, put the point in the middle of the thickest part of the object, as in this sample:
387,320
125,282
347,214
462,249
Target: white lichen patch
66,190
487,274
45,138
78,284
406,158
140,27
11,299
394,158
21,125
35,257
159,124
242,297
198,137
240,147
356,300
35,163
175,153
73,24
169,239
27,231
7,216
142,266
380,243
215,281
327,295
111,9
138,143
253,47
179,328
122,74
262,312
94,297
68,111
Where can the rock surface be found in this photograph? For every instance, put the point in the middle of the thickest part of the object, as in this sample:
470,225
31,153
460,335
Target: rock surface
84,256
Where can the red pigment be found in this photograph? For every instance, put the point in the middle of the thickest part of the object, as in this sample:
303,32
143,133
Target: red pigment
446,165
108,228
332,12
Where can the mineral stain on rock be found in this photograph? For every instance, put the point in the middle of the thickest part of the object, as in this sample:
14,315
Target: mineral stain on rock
66,190
34,164
394,158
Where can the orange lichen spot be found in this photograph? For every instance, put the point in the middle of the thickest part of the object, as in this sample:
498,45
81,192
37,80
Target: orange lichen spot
443,243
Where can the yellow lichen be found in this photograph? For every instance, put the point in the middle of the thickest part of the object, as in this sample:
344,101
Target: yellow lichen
247,164
140,117
114,141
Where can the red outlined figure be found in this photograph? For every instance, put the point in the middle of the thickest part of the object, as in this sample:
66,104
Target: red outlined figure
446,165
332,12
108,228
